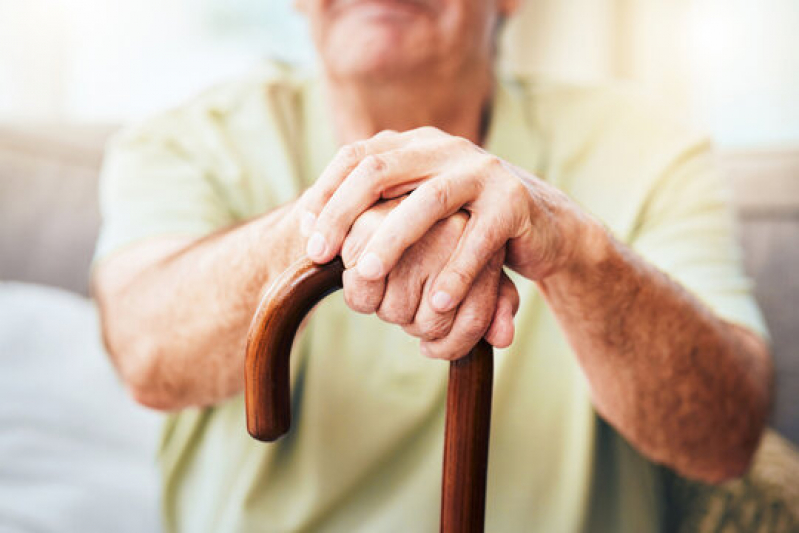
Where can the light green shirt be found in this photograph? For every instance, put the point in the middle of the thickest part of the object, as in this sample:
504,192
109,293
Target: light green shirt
365,449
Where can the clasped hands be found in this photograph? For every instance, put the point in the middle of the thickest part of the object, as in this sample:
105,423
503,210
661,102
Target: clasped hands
424,222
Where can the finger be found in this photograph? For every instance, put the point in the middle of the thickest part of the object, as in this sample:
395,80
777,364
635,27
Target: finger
429,255
501,331
362,230
428,324
360,295
367,182
403,292
472,319
346,159
433,201
482,238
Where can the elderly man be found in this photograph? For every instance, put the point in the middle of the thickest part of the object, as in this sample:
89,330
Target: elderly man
636,341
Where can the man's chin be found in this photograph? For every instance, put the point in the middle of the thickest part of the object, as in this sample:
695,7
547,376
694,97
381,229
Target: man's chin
382,70
379,56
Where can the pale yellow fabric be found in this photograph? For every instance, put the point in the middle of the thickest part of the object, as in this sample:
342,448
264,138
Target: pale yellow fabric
365,450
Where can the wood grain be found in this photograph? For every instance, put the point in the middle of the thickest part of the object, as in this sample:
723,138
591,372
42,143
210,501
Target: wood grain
268,398
466,440
271,334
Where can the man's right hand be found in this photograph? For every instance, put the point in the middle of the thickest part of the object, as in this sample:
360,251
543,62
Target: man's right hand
402,298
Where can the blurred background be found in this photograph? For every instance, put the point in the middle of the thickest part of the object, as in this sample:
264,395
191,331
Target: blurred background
73,71
731,65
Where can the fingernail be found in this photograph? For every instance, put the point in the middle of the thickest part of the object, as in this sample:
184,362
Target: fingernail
316,246
370,266
442,301
306,223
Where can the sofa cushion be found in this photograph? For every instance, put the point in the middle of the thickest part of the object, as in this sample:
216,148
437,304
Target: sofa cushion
49,215
76,454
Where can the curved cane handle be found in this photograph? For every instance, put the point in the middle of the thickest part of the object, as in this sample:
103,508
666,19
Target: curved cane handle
268,399
292,295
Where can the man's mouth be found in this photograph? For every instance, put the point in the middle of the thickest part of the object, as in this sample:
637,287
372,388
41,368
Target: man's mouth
378,7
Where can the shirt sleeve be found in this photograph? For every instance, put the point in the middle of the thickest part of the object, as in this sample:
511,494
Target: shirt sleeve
153,184
687,229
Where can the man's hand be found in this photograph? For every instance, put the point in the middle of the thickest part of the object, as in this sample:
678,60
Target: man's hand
401,297
538,226
657,360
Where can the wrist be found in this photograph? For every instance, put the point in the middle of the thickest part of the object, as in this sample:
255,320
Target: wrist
277,241
596,245
591,245
593,250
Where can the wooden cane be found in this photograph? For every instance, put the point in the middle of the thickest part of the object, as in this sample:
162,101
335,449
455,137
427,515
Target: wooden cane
268,399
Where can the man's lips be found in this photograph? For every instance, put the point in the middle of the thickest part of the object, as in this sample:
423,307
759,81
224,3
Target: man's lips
398,5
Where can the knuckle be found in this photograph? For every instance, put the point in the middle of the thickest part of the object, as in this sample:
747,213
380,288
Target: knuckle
350,153
518,190
519,198
447,350
356,295
489,163
474,327
411,330
429,349
355,300
395,312
316,197
374,165
460,350
461,275
436,328
436,349
462,143
494,232
440,193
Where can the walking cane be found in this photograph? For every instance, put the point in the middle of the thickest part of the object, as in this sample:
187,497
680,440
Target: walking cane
269,341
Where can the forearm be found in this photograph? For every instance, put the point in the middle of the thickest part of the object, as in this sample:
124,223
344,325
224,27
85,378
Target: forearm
686,388
177,328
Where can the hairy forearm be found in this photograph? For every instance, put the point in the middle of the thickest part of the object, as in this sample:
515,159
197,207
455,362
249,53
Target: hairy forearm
176,327
686,388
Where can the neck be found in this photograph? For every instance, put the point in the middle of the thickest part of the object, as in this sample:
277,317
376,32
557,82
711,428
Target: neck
361,108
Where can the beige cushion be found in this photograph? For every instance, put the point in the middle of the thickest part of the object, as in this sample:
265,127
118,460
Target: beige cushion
48,203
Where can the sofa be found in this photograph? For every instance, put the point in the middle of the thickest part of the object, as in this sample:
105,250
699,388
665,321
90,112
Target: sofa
48,329
76,453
